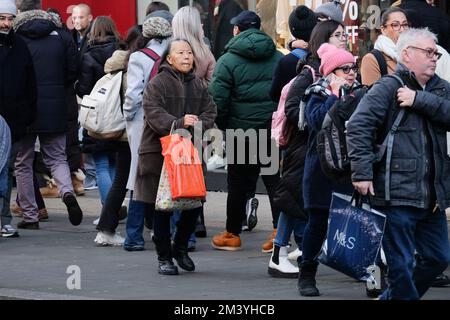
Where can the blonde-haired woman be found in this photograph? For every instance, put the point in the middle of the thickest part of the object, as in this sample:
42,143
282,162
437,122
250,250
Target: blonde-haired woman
187,25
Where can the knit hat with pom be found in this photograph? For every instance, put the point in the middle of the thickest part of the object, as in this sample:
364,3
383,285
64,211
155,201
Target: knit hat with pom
301,22
332,57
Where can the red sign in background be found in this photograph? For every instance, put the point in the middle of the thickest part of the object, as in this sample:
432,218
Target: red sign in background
123,12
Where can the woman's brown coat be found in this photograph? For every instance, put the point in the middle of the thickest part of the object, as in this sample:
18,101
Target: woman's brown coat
167,98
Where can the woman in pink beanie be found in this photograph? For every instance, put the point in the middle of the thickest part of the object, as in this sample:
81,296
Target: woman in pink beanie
337,89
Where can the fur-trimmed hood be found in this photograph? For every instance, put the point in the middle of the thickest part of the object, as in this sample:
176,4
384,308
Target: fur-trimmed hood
36,23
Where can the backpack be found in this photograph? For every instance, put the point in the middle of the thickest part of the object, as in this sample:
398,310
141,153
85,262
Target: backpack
101,111
304,100
281,129
381,61
331,139
155,57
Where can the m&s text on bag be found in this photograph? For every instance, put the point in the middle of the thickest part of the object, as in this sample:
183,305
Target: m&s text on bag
342,240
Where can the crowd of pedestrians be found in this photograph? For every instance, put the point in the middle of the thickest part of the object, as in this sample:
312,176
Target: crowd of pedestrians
171,80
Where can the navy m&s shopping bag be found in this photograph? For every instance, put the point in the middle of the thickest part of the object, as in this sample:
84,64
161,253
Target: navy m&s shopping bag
354,236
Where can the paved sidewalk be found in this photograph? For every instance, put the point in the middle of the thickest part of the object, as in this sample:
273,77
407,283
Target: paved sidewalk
34,265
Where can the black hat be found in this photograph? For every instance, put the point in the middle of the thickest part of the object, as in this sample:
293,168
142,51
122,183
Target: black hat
301,22
246,20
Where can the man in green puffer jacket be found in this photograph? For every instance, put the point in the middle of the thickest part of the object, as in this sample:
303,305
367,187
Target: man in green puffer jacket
240,88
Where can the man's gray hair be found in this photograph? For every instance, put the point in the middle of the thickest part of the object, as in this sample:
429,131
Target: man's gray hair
27,5
412,37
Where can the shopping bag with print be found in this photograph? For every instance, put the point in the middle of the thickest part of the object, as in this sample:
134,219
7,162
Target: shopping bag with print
354,237
164,200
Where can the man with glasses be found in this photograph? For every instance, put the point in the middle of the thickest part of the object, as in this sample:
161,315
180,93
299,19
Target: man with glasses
410,181
17,97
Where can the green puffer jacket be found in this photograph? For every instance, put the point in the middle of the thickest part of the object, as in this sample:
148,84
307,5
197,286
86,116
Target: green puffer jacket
241,81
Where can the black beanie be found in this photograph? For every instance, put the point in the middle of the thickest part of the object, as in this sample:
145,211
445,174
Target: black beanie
301,22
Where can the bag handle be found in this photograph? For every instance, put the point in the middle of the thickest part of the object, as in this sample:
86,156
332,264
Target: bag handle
358,198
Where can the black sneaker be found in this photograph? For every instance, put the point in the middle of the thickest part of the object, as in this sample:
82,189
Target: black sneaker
28,225
441,280
252,219
74,210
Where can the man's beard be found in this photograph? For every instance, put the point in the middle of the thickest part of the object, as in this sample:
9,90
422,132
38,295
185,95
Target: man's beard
5,31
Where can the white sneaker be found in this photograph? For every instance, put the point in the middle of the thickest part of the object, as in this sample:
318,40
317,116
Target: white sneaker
215,162
295,254
96,221
108,239
8,231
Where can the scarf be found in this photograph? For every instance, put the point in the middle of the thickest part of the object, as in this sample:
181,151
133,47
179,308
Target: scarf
387,46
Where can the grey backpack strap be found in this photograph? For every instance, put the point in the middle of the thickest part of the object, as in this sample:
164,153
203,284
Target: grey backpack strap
388,143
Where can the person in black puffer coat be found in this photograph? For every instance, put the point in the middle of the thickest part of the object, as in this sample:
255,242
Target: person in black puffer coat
103,41
55,63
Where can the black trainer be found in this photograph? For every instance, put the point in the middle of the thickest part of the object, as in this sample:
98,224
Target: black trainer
252,219
74,210
28,225
441,280
166,267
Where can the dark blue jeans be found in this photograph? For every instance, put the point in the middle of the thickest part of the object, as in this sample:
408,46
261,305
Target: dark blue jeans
410,229
314,234
135,221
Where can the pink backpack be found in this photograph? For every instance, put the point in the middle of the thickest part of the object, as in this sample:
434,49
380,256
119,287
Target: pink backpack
281,128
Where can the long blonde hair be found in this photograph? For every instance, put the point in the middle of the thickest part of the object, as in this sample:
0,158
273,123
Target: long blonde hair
186,24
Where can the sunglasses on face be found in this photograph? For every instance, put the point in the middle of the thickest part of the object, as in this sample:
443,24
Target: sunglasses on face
430,53
346,69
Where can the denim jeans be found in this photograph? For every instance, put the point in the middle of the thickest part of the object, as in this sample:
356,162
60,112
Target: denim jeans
135,221
173,227
410,229
109,217
104,172
287,224
314,234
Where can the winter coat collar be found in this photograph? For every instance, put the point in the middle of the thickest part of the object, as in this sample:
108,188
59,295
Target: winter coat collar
252,44
184,77
7,39
387,46
36,23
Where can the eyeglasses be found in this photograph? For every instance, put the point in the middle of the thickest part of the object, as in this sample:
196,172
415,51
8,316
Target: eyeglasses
340,35
430,53
346,69
396,26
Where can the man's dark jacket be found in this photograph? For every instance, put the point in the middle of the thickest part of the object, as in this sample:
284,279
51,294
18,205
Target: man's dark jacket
420,151
17,84
55,63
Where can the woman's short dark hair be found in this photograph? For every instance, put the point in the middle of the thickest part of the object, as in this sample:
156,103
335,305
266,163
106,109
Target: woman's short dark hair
321,34
387,12
155,6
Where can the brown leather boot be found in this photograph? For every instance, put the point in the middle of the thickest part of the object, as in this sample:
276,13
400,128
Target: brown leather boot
78,185
50,191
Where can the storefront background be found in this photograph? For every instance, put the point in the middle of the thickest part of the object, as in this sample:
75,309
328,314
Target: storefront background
361,17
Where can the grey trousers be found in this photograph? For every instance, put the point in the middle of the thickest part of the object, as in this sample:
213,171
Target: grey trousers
53,149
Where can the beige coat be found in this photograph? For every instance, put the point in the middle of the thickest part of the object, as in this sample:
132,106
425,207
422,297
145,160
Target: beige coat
370,70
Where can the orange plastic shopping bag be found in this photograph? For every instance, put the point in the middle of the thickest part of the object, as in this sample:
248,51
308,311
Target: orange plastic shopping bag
183,167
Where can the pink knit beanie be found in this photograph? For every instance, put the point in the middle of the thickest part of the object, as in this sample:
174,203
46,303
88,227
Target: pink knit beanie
332,58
